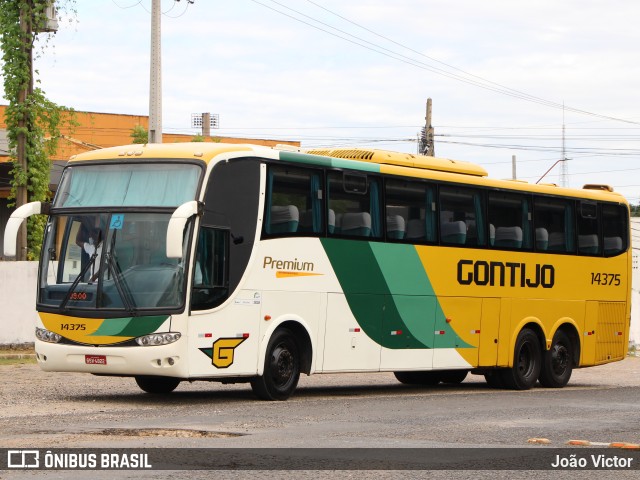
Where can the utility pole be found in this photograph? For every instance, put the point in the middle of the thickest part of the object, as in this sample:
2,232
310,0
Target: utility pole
564,169
513,167
430,150
26,28
155,77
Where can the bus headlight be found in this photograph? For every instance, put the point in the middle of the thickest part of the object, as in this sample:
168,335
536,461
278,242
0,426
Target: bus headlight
158,339
47,336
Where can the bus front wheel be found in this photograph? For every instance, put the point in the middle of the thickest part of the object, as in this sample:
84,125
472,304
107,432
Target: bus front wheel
527,359
157,385
453,377
557,362
281,368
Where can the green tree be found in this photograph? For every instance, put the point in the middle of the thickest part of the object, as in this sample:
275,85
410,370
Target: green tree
33,121
140,135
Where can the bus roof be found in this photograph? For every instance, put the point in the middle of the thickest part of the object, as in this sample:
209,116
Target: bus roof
403,160
204,151
380,161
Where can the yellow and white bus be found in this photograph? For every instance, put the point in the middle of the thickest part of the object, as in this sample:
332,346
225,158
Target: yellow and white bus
240,263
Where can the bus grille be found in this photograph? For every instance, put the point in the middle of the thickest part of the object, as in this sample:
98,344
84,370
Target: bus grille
610,332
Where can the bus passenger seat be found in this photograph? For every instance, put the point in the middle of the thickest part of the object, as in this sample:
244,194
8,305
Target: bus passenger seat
612,245
306,221
356,223
331,221
542,238
454,232
588,244
509,237
446,216
395,227
415,229
556,242
284,219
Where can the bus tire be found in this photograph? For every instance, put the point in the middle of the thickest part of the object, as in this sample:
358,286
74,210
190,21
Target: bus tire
157,385
281,368
557,362
418,378
452,376
527,360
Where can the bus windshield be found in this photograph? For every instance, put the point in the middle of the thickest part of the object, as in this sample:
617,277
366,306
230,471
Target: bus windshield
111,262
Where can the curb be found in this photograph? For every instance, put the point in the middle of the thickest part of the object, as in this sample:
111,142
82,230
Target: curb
17,356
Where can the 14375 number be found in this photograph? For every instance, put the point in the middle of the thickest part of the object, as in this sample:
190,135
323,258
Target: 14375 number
605,279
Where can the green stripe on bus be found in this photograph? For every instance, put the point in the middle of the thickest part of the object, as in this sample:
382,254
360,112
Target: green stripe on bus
129,326
389,294
329,161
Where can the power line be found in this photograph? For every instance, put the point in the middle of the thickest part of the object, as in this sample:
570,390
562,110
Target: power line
590,150
480,82
126,8
165,13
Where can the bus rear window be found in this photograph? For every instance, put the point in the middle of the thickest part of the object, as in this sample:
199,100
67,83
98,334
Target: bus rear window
614,229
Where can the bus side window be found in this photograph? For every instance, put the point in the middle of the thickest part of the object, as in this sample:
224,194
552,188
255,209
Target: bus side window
614,228
294,202
554,225
410,211
210,275
509,221
588,237
354,205
461,217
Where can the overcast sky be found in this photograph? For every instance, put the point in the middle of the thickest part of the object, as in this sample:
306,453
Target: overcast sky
358,73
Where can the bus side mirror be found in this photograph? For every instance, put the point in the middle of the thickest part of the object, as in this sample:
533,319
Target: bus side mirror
176,227
15,220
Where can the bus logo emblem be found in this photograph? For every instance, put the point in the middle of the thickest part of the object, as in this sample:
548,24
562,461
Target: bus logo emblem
222,351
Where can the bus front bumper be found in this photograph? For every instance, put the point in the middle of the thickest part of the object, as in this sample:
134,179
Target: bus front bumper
163,360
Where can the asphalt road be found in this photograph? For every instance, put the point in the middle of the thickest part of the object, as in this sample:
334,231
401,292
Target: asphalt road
60,410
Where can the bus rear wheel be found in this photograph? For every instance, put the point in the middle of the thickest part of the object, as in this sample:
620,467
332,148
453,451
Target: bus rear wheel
494,378
527,359
557,362
418,378
157,385
281,368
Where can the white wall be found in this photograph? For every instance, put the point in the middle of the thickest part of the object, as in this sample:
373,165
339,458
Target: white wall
634,335
18,284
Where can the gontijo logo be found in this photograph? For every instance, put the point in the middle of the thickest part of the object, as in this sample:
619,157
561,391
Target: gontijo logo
289,268
512,274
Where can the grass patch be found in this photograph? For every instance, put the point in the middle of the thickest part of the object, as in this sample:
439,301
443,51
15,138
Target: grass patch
18,361
17,354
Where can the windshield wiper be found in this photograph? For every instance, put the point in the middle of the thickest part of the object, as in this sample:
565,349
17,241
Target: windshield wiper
121,286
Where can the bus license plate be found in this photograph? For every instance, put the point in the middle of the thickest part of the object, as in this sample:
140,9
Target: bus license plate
95,359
